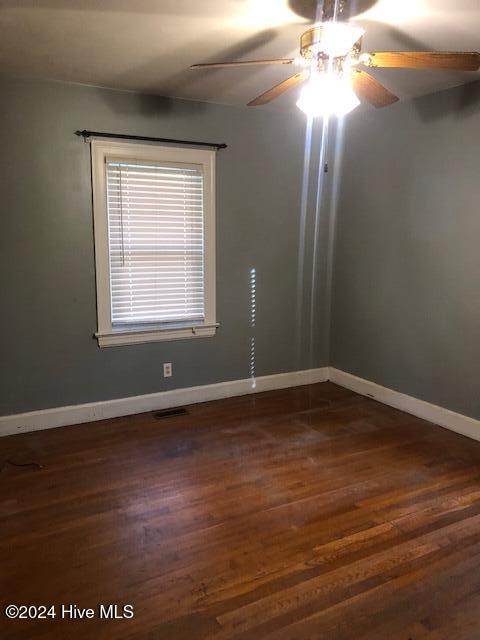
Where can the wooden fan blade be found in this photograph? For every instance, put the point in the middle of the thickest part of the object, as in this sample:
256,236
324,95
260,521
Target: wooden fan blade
278,89
242,63
467,61
366,87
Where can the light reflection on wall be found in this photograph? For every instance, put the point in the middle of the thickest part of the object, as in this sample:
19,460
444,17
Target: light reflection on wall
302,239
310,243
253,319
334,198
319,201
316,234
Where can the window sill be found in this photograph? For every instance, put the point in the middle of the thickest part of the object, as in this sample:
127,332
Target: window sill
122,337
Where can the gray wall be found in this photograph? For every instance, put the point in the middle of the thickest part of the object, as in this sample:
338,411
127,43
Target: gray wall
406,302
406,297
48,355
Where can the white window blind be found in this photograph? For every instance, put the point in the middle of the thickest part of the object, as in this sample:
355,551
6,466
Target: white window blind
156,242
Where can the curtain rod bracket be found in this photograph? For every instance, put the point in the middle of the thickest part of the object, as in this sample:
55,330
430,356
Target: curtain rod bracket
98,134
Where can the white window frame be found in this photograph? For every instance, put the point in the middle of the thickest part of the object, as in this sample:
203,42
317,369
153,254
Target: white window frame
110,336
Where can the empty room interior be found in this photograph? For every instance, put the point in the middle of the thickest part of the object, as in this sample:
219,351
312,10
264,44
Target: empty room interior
240,325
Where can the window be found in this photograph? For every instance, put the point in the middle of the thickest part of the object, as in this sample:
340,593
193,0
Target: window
154,218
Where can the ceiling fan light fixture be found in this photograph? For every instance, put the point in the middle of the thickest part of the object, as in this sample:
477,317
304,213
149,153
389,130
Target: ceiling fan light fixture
331,56
327,94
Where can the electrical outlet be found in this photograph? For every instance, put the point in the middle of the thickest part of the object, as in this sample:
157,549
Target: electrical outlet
167,369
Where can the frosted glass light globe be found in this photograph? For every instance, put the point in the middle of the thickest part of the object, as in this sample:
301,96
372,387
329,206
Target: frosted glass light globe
327,94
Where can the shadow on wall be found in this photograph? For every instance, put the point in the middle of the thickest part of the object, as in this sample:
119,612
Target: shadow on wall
464,101
138,103
188,79
397,39
309,9
191,79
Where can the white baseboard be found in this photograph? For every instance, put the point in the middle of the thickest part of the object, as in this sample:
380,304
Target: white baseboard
431,412
76,414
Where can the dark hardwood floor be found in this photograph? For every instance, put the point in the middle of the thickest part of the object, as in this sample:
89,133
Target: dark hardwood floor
309,513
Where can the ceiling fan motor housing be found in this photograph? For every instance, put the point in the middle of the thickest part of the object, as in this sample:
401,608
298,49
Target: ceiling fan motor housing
330,40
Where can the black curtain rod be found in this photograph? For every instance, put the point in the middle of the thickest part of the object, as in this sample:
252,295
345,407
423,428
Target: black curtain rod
98,134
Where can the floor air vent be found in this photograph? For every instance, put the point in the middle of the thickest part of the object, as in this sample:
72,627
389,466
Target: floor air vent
170,413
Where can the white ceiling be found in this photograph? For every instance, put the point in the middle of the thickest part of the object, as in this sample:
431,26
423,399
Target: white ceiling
148,45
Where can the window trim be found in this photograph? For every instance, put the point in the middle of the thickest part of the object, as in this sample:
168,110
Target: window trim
106,334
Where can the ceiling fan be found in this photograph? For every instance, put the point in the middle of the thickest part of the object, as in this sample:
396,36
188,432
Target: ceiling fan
333,66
